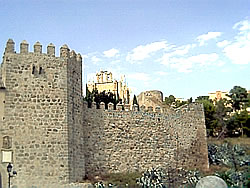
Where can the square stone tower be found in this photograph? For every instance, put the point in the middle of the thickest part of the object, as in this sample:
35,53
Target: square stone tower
41,117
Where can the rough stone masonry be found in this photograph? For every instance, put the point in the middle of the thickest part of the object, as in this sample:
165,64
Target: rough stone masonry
52,138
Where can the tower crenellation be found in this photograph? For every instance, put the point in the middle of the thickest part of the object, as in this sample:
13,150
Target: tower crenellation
24,47
79,57
73,54
51,50
64,51
10,46
38,47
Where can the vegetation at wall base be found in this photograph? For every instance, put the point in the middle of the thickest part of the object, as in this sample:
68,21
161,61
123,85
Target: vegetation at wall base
167,178
120,180
231,162
155,177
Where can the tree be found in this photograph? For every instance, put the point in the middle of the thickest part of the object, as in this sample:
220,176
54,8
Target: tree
179,103
221,115
104,97
169,100
89,97
202,98
135,100
190,100
239,98
210,120
239,122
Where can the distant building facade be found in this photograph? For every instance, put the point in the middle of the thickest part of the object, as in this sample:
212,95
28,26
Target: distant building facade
104,82
218,95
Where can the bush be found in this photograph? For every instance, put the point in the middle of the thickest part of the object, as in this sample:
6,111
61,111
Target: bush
118,180
160,178
235,158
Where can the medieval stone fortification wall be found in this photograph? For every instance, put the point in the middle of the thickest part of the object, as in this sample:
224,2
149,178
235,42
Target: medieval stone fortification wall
55,139
120,141
42,117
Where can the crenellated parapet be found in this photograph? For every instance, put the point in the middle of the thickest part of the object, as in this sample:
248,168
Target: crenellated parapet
51,50
139,138
38,47
10,46
142,109
24,47
65,51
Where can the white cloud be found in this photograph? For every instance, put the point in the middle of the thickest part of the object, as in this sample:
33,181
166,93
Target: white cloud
142,52
238,50
161,73
186,64
95,59
243,25
238,53
84,56
183,50
179,51
115,61
220,63
208,36
111,53
223,43
140,76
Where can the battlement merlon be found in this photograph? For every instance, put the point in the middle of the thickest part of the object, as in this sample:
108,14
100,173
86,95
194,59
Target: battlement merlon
10,46
37,49
157,110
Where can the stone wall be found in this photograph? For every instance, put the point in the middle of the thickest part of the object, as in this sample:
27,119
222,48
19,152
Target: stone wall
75,118
126,141
55,139
2,101
42,116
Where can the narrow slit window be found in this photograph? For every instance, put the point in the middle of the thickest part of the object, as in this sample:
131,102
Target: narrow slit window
33,69
40,70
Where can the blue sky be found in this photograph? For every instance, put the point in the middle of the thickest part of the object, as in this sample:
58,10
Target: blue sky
186,48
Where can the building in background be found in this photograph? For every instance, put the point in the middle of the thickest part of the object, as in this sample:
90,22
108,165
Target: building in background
218,95
153,98
104,82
